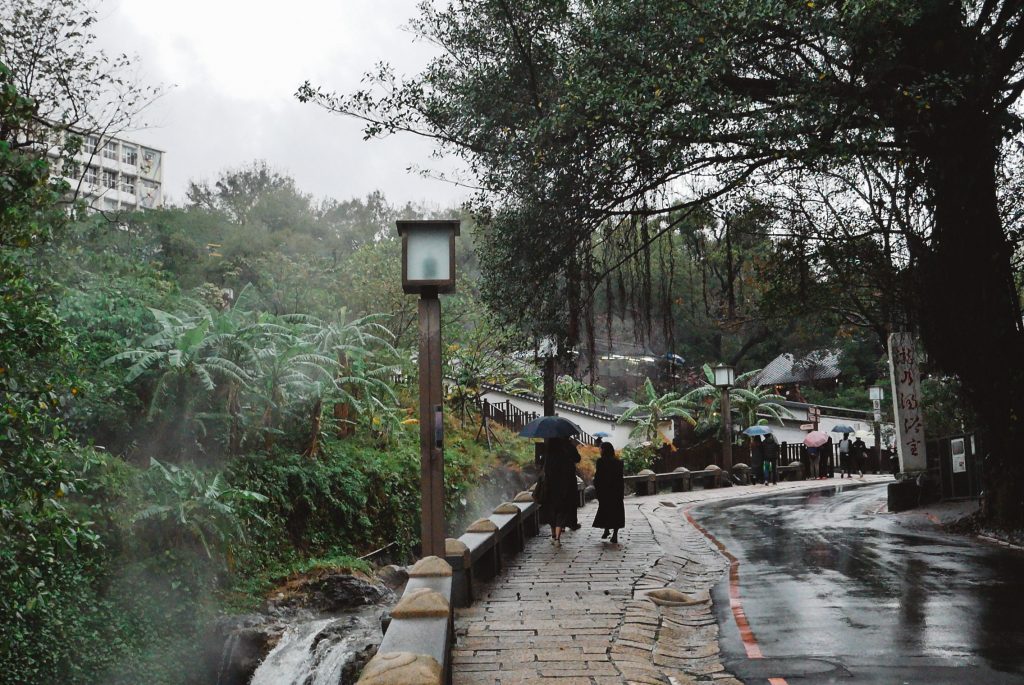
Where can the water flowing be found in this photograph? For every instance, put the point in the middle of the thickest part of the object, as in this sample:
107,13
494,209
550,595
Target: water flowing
315,652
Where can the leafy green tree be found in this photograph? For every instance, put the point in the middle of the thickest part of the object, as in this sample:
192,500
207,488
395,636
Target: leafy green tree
751,403
50,50
654,409
50,609
568,389
607,107
186,355
195,508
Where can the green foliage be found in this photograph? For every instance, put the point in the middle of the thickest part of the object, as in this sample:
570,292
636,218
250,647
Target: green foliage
636,458
653,410
189,506
353,499
943,407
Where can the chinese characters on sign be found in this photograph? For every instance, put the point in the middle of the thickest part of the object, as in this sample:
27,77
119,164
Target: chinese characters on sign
906,393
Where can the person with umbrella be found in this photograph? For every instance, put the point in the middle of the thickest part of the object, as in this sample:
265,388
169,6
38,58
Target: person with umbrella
558,501
608,481
812,443
857,450
757,434
845,468
771,459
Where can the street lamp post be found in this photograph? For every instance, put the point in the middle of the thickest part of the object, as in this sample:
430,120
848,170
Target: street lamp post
877,394
428,269
724,377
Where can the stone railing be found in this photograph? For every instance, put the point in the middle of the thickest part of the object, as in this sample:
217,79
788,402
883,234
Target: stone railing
477,554
417,645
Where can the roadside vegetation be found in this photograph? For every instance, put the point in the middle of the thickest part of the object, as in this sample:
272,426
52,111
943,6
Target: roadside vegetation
200,401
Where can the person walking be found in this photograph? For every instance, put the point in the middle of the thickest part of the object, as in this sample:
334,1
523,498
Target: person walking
757,458
558,501
844,456
828,459
771,460
611,511
813,458
857,450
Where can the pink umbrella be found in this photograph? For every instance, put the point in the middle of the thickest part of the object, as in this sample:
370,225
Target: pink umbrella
815,439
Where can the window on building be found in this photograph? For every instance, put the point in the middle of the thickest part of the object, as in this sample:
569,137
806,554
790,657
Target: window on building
90,144
91,176
130,154
128,184
110,150
109,179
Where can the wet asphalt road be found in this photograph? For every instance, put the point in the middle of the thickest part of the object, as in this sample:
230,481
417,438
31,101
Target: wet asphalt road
835,592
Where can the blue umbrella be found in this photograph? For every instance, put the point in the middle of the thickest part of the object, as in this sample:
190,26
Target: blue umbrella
842,428
602,434
550,427
757,430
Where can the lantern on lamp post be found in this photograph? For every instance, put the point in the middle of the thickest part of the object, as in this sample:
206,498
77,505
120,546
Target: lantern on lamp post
724,378
428,269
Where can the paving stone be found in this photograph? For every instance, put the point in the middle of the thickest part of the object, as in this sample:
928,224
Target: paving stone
576,614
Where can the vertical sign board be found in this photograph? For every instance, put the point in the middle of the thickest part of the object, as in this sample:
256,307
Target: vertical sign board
958,454
906,402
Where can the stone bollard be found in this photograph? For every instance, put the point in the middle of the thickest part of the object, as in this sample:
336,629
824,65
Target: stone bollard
741,473
717,474
647,486
681,484
401,668
457,554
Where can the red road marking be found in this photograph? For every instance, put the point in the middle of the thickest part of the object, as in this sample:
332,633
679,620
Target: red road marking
735,603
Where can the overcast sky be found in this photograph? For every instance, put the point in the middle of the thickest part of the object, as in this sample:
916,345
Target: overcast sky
231,68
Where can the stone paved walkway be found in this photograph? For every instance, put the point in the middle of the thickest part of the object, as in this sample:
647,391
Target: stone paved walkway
578,613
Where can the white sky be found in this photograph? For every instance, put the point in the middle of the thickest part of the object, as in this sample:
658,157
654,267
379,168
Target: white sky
231,68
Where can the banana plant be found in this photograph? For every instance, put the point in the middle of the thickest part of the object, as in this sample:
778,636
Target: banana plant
654,410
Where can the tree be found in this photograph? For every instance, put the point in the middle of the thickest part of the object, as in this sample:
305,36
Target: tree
620,108
77,90
188,354
654,409
51,549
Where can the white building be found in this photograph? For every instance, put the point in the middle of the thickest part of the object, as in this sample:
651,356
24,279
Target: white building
116,174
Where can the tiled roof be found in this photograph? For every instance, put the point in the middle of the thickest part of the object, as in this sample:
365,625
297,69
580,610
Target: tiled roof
818,365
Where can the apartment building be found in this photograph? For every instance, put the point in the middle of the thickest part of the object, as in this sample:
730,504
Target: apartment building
117,174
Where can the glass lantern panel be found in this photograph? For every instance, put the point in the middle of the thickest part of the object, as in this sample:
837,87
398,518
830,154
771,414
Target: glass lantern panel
723,375
429,254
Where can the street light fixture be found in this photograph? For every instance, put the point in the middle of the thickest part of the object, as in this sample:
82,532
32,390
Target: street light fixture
428,268
725,375
428,256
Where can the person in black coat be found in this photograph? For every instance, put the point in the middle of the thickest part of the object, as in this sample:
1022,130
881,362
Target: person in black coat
771,460
757,459
558,503
611,512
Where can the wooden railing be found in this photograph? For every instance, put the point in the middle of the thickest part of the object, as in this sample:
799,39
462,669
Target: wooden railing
515,419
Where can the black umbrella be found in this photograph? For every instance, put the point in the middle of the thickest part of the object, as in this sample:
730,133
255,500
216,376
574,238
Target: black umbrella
550,427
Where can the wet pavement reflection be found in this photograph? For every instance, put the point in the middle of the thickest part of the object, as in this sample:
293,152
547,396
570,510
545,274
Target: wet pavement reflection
824,575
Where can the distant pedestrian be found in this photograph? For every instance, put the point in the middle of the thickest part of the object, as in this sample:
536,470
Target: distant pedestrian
828,459
757,459
611,512
857,451
813,459
558,502
844,456
771,460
